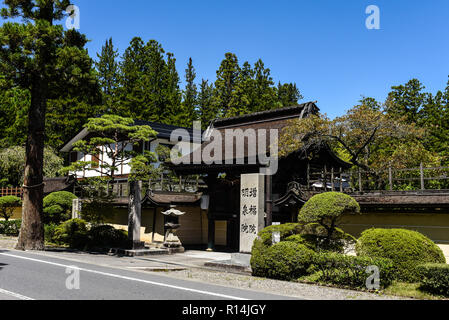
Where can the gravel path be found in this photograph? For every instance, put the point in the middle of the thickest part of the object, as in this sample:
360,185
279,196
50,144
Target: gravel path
7,242
300,290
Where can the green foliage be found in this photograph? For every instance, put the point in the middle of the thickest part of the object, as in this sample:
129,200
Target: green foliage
12,165
149,83
50,233
10,228
104,237
97,205
349,271
285,230
246,89
407,249
41,62
283,261
72,233
7,206
77,235
313,236
118,136
307,240
434,278
58,207
326,209
292,260
189,105
108,69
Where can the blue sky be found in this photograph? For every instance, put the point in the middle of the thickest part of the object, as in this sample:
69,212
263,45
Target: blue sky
322,45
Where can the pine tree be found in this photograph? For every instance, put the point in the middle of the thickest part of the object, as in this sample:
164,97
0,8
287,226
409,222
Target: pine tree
407,101
108,70
207,109
75,94
264,92
288,94
131,88
190,95
172,112
227,79
29,54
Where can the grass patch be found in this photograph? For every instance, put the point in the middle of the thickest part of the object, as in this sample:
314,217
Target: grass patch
409,290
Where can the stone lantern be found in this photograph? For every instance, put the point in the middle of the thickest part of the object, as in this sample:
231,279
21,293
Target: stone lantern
172,242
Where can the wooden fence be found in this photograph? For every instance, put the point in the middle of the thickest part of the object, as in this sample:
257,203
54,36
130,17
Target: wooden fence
13,191
389,179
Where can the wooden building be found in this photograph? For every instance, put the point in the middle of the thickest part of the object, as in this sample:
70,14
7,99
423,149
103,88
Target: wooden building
223,177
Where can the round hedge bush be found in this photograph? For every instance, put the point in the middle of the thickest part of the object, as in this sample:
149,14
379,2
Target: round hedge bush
105,237
407,249
283,261
58,207
329,206
72,233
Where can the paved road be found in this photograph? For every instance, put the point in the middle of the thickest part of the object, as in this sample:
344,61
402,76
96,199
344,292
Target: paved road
39,277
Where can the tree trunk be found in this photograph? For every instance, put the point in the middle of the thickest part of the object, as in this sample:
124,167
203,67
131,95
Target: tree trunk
135,215
31,235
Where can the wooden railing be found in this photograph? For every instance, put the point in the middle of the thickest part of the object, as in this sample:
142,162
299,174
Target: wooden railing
389,179
11,191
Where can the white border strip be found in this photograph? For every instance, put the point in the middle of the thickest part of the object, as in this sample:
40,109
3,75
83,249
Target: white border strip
130,278
15,295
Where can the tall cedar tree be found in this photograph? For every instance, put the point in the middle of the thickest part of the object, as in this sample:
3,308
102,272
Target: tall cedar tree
28,58
225,85
108,70
206,107
149,84
75,94
190,96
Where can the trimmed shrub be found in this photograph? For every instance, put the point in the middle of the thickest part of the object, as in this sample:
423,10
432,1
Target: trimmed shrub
308,240
106,237
349,271
286,230
325,210
407,249
282,261
50,233
72,233
10,228
434,278
58,207
7,206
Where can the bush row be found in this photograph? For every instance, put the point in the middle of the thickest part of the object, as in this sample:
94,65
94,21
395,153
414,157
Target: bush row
434,278
408,249
10,228
76,234
289,260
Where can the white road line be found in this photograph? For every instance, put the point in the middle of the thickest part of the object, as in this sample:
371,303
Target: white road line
15,295
129,278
